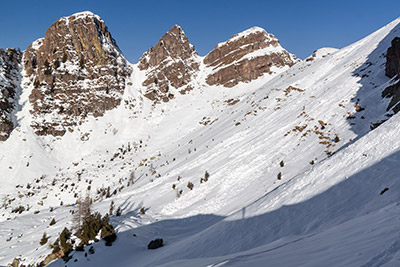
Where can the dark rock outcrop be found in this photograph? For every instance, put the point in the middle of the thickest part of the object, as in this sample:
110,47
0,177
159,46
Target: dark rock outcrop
156,243
10,60
392,70
393,91
245,57
170,63
393,58
76,70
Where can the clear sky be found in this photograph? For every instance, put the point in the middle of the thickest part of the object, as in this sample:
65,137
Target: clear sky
302,26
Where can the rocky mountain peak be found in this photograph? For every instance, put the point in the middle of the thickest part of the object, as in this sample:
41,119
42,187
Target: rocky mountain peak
245,57
76,70
171,63
173,45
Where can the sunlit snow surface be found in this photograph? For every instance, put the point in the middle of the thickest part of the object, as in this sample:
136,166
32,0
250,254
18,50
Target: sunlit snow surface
329,213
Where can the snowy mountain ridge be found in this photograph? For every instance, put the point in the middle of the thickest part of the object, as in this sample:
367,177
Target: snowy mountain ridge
294,168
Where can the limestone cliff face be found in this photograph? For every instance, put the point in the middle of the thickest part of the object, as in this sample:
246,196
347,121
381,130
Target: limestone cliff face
171,63
77,70
10,60
246,56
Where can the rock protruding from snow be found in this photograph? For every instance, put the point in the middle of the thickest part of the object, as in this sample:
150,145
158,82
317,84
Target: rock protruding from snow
77,70
10,60
392,70
171,63
245,57
393,59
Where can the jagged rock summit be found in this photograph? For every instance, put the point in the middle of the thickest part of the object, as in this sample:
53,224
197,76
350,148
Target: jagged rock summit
76,70
245,57
171,63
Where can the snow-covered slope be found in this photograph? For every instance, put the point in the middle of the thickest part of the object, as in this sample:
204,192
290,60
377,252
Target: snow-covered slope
296,176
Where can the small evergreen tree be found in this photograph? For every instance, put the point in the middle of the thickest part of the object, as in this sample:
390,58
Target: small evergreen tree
44,239
65,242
206,175
53,222
110,212
337,139
119,212
107,232
142,211
190,185
90,227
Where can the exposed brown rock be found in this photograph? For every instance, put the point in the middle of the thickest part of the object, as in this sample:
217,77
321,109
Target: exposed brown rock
233,62
76,70
393,58
170,63
10,60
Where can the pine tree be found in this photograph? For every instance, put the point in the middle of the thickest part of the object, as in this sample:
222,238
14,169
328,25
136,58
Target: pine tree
190,185
90,228
107,232
119,212
142,211
64,241
53,222
110,212
44,239
206,175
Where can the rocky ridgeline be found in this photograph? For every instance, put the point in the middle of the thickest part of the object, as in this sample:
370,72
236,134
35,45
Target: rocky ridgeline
171,63
245,57
76,70
10,79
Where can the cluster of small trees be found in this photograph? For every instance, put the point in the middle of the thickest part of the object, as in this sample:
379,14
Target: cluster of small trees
87,226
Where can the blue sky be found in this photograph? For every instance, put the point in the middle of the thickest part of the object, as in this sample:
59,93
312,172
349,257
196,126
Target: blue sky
301,26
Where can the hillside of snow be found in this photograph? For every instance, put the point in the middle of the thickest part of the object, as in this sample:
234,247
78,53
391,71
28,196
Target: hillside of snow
296,176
